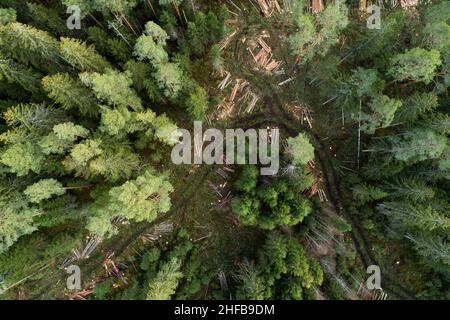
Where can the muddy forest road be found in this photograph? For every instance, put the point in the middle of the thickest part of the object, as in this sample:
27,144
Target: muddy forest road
280,118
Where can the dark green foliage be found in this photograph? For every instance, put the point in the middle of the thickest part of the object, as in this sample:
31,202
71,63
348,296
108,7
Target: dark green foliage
268,205
283,271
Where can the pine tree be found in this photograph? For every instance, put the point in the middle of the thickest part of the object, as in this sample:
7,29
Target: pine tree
35,254
251,285
382,112
437,36
29,45
7,15
116,122
80,156
215,58
69,93
140,72
139,200
166,131
109,46
69,131
310,40
436,33
434,249
416,64
406,215
147,49
197,103
114,6
164,285
16,73
366,82
81,56
300,149
114,88
412,146
62,138
158,34
16,218
304,36
117,162
284,271
169,79
33,115
416,105
23,158
43,190
46,18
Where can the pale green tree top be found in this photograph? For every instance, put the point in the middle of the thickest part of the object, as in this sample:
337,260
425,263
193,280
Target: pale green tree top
166,130
43,190
16,219
169,78
70,131
138,200
114,87
116,121
22,158
300,149
382,113
86,150
82,56
164,285
158,34
147,48
305,34
7,15
416,64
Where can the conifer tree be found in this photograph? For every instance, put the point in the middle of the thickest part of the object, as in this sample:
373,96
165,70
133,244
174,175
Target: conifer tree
81,56
411,188
365,193
316,35
416,105
416,64
117,162
412,146
80,156
197,103
69,93
44,189
23,158
164,285
139,200
16,73
169,79
16,218
7,15
300,149
406,215
29,45
46,18
382,112
114,88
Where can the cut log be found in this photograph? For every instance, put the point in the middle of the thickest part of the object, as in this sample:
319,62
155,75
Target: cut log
317,6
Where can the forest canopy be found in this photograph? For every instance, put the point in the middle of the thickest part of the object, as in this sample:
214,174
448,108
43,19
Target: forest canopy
93,94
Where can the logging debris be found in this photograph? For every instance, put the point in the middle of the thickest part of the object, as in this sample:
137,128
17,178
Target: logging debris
268,7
